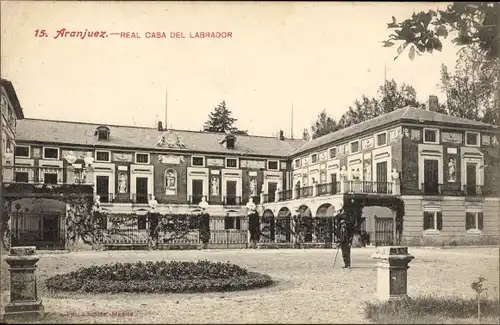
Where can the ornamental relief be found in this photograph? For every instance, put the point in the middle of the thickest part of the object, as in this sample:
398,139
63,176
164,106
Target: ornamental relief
451,137
77,154
366,143
253,164
170,159
215,162
415,135
122,156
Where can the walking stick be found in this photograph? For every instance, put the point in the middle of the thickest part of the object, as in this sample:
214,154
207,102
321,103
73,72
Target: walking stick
335,260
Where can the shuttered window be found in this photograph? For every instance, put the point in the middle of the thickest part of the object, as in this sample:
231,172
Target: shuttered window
433,220
474,220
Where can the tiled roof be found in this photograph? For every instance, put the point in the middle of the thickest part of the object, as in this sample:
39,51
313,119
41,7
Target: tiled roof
36,130
406,113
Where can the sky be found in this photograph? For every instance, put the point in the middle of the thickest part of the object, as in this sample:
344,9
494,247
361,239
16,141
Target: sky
305,55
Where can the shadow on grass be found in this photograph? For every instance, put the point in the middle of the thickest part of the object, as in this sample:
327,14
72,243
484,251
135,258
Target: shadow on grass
431,309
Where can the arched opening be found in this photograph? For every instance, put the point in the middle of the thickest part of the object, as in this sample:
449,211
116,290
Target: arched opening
283,232
38,222
323,223
268,227
307,223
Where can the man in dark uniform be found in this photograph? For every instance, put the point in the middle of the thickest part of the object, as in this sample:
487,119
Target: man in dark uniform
345,238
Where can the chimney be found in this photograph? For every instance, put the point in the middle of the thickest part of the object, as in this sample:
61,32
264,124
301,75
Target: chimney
282,136
160,126
433,103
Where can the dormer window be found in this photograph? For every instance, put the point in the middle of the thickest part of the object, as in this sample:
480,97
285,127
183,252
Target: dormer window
102,132
229,141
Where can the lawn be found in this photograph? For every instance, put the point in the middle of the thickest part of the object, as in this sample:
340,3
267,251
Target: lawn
308,289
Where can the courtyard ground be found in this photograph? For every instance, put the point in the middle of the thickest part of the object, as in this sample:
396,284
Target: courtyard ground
308,289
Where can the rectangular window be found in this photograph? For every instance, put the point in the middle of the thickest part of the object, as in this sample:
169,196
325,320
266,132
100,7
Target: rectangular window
333,153
433,220
198,161
231,163
102,156
314,158
50,178
22,177
381,139
472,139
272,165
431,136
50,153
230,143
354,146
22,151
473,221
297,163
142,158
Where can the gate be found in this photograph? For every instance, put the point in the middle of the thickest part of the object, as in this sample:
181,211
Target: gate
43,230
384,231
228,232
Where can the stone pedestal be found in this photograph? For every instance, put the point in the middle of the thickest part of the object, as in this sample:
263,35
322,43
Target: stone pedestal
392,272
276,196
262,198
24,301
315,190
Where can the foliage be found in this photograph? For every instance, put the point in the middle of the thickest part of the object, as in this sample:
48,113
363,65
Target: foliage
5,224
221,120
479,288
470,23
305,135
472,90
323,125
420,307
254,227
160,276
205,228
389,97
80,222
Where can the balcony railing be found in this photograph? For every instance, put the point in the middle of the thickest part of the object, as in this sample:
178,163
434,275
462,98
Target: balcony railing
328,188
141,198
106,197
473,190
232,200
306,191
432,189
370,187
195,198
34,175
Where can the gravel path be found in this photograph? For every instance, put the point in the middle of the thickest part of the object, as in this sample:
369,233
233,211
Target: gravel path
308,290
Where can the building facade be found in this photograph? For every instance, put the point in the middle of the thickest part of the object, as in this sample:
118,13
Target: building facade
411,175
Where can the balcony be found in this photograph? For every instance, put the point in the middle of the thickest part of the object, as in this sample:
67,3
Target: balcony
347,187
106,197
42,182
195,198
141,198
472,190
432,189
232,200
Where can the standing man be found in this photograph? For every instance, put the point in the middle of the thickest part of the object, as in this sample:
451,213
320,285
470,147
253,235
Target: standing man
345,237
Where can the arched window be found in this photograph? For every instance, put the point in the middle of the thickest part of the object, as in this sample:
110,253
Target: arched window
170,182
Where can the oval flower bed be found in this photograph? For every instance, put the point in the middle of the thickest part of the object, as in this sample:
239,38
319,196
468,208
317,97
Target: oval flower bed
159,277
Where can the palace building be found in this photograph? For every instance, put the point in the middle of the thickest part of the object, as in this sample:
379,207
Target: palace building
410,175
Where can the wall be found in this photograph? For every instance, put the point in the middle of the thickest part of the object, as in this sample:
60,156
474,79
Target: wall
454,221
178,163
451,145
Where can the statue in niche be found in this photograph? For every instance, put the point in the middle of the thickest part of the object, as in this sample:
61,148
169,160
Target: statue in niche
122,183
367,171
452,177
170,182
214,186
253,187
406,133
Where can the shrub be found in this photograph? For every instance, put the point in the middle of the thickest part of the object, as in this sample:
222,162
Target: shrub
159,277
420,307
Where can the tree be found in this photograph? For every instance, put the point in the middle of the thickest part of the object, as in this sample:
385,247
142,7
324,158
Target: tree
389,98
472,23
323,125
221,120
472,90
